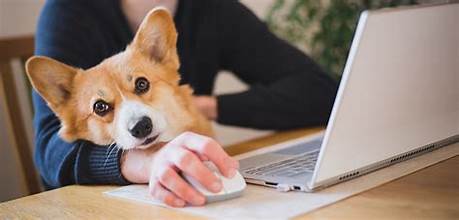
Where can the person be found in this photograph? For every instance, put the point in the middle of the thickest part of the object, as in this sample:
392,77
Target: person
286,89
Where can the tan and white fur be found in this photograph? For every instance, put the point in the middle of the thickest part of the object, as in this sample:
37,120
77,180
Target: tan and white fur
150,59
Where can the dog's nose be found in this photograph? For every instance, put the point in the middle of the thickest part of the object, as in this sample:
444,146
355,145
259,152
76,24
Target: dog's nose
143,128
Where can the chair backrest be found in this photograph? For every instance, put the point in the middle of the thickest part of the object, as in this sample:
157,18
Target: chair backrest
16,101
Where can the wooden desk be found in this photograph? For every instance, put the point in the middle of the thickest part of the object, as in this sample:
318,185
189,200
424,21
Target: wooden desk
432,193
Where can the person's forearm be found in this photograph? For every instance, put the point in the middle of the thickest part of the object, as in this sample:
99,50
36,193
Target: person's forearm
136,163
98,165
294,102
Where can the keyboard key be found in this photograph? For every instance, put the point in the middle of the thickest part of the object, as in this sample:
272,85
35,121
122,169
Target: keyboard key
290,167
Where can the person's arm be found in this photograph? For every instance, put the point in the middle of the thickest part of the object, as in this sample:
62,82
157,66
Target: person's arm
287,89
61,35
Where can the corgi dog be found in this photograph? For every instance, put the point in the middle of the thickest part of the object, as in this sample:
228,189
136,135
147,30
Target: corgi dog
132,99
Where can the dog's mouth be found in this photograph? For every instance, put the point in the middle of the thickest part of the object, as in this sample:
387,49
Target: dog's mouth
150,140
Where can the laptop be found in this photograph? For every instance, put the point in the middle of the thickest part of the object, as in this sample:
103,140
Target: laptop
398,98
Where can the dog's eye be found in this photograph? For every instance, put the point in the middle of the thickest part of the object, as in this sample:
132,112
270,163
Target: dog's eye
141,85
101,108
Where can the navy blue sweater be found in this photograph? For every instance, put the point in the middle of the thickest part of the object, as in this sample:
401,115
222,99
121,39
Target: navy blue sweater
287,89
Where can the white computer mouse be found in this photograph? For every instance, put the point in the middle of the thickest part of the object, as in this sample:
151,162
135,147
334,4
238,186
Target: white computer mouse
232,188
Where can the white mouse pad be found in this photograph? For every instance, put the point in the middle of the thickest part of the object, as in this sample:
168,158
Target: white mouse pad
260,202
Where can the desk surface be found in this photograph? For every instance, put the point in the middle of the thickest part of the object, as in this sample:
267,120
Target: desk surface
431,193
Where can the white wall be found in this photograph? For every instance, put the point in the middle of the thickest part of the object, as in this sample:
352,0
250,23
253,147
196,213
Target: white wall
18,17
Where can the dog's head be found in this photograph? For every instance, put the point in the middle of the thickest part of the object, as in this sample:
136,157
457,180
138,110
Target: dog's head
130,98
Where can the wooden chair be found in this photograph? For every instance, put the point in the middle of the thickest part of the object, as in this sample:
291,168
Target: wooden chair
16,100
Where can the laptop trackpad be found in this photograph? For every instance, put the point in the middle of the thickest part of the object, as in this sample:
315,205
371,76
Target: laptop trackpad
301,148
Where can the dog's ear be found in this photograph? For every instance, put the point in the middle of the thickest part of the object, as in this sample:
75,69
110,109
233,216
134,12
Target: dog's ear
52,80
157,37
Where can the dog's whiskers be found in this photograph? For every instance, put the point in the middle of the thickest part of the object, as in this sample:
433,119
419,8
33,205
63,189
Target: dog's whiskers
110,149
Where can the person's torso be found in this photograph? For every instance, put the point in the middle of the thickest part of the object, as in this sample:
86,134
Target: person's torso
197,38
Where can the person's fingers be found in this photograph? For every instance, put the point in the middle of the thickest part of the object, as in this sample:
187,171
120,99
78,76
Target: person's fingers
190,164
164,195
174,183
203,157
210,148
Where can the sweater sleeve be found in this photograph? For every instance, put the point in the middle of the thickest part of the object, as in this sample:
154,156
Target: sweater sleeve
61,35
287,89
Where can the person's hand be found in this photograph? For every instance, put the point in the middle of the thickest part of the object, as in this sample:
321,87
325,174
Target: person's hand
186,154
207,105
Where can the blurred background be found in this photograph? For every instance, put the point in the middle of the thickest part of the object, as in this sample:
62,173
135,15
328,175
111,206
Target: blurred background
322,28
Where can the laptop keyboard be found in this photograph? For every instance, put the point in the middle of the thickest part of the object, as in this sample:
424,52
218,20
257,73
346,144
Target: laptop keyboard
298,165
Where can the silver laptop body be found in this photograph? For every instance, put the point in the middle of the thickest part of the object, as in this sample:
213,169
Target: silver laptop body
398,98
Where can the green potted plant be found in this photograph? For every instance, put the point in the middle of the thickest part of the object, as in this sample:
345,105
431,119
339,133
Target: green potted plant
323,28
